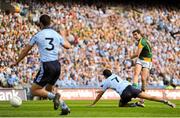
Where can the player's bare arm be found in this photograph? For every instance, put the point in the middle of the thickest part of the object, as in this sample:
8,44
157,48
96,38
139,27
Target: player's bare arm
100,93
23,53
138,52
66,45
64,34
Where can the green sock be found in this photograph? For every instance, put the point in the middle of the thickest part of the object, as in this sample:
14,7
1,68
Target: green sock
135,85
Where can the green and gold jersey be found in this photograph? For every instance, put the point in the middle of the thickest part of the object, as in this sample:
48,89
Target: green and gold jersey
146,53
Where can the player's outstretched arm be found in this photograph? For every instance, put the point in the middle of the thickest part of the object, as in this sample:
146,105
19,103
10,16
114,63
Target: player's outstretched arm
23,53
66,45
100,93
64,34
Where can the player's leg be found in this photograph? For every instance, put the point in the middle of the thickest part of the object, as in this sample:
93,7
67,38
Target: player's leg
56,98
144,76
126,97
54,74
38,90
143,95
49,87
63,105
137,71
41,80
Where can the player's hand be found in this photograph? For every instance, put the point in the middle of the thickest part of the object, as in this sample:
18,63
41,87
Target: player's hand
91,105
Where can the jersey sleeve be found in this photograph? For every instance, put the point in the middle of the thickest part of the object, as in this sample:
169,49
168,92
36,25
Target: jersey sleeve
104,85
33,40
61,40
142,43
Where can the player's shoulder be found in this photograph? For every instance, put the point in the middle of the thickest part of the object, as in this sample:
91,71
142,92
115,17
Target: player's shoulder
105,81
143,41
112,76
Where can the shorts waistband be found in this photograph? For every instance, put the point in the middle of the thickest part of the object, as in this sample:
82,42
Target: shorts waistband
50,61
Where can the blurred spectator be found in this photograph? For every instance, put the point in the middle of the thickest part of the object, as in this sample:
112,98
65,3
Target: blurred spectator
12,81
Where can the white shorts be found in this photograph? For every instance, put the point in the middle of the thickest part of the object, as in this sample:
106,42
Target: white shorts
144,64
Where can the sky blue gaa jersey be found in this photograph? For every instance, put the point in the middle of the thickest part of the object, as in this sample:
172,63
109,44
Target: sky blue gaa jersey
116,83
48,42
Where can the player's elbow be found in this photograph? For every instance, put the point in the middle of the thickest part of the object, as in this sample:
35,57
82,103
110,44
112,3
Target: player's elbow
68,46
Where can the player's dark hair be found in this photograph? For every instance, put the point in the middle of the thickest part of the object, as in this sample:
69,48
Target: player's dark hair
107,73
45,20
137,30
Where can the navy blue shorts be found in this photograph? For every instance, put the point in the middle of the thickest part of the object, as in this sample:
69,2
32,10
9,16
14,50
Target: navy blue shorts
129,93
48,74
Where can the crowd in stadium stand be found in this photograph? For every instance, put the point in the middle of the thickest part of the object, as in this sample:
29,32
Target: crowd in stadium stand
101,38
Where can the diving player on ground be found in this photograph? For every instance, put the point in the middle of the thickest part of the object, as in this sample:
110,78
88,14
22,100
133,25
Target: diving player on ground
125,90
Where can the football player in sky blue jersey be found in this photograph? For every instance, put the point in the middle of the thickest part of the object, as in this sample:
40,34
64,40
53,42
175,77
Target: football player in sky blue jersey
125,90
48,42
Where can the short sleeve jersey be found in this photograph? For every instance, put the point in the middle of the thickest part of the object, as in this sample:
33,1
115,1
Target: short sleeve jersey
146,52
48,42
116,83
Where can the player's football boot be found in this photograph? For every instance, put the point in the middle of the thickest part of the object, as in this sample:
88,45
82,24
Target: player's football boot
170,104
140,104
56,101
65,111
132,105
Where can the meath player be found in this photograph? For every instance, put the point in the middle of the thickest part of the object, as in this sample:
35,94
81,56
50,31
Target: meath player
143,63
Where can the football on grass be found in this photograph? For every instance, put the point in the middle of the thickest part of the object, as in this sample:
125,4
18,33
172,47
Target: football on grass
15,101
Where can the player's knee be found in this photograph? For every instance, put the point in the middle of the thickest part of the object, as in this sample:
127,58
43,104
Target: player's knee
136,73
49,88
144,76
35,89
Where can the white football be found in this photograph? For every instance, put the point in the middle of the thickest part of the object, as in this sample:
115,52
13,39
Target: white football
15,101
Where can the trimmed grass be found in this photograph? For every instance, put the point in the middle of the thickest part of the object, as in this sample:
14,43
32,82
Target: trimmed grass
104,108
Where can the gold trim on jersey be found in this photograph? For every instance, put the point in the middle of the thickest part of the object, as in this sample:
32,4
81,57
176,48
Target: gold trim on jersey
140,45
147,59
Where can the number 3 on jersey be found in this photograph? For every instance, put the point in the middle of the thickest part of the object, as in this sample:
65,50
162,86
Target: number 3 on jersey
50,43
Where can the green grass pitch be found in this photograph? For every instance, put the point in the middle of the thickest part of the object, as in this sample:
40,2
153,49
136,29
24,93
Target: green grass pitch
104,108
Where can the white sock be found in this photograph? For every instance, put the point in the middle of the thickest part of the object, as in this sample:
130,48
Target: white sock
63,104
51,95
141,101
